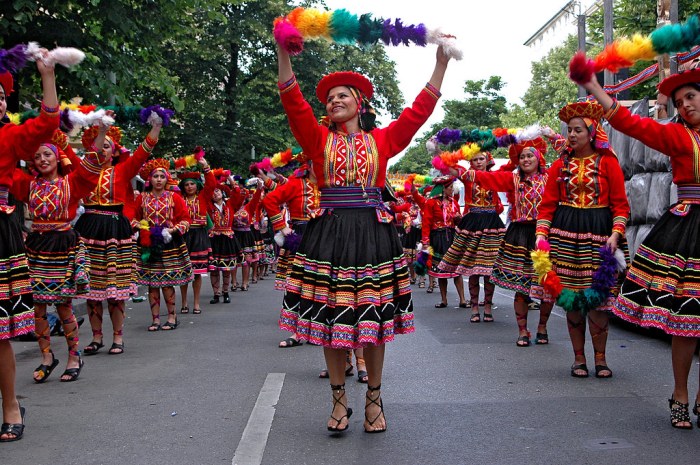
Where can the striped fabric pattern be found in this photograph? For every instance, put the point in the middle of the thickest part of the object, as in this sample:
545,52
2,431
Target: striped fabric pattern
173,269
57,275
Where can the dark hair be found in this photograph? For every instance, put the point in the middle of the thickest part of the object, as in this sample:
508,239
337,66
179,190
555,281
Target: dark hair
694,85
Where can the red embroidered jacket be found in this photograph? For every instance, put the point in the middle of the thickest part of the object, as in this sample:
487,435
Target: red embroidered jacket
244,215
438,213
168,210
355,159
300,196
53,203
526,193
197,206
475,196
595,181
679,142
20,142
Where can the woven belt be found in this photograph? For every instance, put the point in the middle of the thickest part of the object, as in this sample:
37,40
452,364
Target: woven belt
351,197
689,193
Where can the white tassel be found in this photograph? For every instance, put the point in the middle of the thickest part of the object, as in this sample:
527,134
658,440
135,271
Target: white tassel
66,56
167,237
448,43
621,262
154,119
279,238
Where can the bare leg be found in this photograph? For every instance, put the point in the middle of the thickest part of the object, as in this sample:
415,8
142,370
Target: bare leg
246,275
197,290
459,285
335,364
183,296
8,370
374,358
545,312
442,282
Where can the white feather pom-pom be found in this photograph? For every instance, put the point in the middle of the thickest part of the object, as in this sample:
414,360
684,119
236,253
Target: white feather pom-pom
66,56
448,43
620,258
154,119
279,238
529,133
167,237
431,146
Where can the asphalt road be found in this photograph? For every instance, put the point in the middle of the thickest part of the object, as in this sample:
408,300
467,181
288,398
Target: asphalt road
454,393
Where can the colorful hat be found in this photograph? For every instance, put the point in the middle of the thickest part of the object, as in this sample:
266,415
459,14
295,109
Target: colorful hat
6,81
587,109
185,176
590,112
114,134
152,165
673,82
343,78
440,184
515,149
224,188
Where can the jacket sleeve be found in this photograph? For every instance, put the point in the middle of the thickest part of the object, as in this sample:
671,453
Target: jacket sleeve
302,121
427,213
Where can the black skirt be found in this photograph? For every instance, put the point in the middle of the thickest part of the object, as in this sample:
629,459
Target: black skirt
348,286
16,303
199,248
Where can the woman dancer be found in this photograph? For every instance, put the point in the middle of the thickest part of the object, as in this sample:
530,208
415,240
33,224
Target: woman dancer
56,254
661,287
225,249
16,303
161,218
349,285
478,239
440,215
106,231
584,208
245,208
197,195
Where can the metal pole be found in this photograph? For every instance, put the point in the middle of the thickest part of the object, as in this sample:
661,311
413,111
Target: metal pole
608,78
673,16
582,46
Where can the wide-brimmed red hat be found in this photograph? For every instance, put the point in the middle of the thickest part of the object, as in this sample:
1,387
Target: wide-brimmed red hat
6,81
587,109
673,82
515,149
343,78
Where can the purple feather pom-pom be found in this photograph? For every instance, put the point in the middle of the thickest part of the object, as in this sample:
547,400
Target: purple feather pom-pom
164,113
13,59
66,123
157,236
448,136
292,242
505,141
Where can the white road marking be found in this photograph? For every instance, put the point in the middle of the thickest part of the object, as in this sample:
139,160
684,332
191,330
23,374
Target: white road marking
251,447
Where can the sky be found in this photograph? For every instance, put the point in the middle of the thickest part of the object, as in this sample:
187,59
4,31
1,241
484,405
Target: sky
491,33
